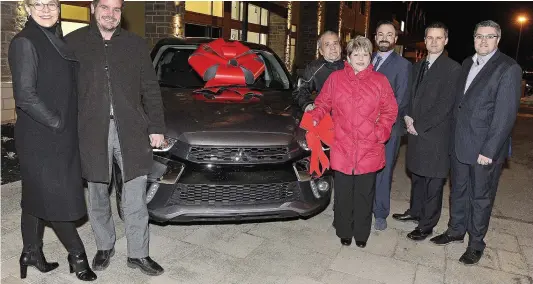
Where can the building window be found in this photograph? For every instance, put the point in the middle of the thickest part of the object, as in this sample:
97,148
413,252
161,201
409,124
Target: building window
293,28
212,8
263,39
253,37
68,27
235,10
192,30
236,34
254,14
264,17
362,7
74,17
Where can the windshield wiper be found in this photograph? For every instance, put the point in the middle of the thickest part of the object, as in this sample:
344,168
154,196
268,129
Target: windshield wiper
237,86
165,84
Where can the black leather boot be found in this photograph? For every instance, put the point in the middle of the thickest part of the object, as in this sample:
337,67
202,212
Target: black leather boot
37,260
78,263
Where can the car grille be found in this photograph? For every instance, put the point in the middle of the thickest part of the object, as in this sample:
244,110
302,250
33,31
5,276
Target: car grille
242,194
238,154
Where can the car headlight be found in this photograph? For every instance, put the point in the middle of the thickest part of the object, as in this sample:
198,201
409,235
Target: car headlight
168,143
303,144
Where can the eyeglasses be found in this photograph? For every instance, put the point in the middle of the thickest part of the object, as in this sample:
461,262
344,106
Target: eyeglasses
481,37
40,6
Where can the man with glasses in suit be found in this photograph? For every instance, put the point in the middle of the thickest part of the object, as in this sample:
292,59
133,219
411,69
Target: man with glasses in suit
486,105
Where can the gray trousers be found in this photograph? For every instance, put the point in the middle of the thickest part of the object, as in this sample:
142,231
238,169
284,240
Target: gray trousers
133,205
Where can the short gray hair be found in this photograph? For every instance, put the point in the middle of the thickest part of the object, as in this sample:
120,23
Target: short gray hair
359,43
321,37
491,24
437,25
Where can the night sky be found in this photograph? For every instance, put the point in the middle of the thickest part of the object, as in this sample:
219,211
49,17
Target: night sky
461,18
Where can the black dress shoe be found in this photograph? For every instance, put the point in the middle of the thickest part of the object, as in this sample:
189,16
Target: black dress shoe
147,266
404,217
346,241
445,239
471,256
360,244
102,258
37,260
78,263
419,235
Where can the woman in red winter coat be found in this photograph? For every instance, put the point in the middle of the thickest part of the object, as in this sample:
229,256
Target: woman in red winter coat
363,108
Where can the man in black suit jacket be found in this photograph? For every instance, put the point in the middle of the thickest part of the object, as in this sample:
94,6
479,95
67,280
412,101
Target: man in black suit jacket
488,97
397,70
428,121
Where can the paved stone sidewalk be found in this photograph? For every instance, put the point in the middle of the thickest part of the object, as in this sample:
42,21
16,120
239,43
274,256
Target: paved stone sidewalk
302,251
290,252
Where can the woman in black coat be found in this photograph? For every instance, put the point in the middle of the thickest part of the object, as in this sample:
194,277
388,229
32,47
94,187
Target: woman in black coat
46,139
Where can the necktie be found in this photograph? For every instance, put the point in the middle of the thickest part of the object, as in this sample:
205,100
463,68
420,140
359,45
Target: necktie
376,64
479,61
425,68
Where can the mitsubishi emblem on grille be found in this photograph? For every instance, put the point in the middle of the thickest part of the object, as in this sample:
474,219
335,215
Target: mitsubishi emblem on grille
239,156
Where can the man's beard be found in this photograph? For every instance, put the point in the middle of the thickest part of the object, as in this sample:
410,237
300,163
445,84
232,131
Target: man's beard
385,48
112,29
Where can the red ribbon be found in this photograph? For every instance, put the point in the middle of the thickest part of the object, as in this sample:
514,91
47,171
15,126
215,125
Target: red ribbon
322,132
232,64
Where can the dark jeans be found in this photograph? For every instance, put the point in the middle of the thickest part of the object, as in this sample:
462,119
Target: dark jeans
354,199
33,230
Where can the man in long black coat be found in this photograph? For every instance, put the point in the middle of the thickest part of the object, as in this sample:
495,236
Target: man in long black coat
486,105
428,122
120,117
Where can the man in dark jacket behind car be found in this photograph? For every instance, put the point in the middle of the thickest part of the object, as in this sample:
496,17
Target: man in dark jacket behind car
120,116
318,70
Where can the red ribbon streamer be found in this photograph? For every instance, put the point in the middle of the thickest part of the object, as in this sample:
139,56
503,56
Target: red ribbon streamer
322,132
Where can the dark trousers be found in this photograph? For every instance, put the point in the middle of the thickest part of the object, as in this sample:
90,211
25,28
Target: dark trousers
354,199
426,200
33,231
384,178
471,200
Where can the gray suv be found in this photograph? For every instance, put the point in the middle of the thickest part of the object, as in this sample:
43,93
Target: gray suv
229,161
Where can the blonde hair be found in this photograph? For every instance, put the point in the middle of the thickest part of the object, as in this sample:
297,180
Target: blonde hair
29,2
359,43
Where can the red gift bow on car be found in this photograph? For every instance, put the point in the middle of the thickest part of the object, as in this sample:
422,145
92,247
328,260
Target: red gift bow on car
322,132
227,67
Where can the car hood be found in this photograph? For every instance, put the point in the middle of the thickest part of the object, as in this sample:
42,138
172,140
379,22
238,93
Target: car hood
196,122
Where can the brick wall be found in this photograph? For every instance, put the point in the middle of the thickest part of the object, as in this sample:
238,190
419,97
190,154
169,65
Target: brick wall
13,20
159,16
307,35
277,28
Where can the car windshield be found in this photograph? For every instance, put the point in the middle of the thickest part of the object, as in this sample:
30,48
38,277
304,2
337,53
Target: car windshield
173,70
